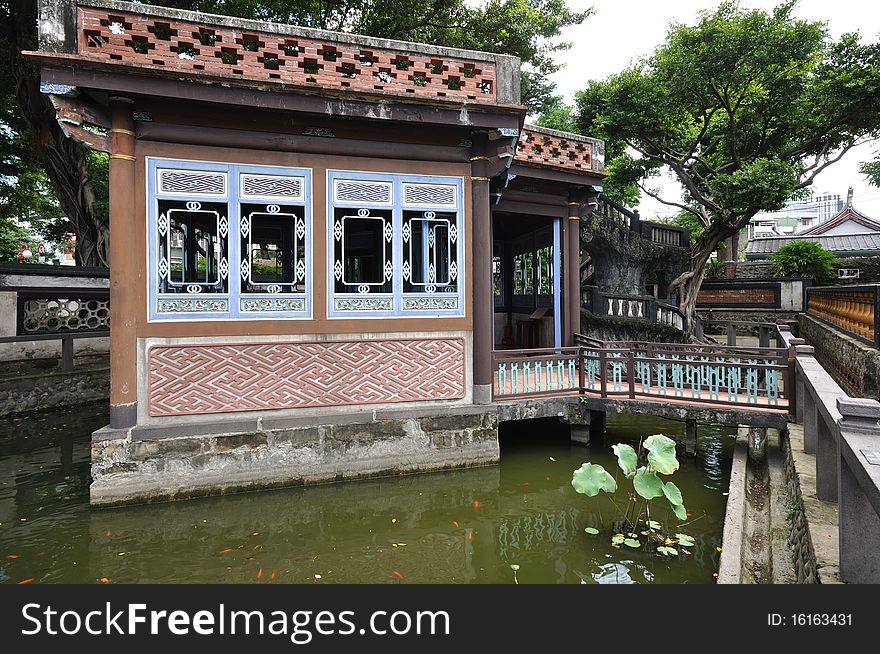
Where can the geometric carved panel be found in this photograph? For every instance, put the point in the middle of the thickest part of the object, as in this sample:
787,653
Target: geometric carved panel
203,379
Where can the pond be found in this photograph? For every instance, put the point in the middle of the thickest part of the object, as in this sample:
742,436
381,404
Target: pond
467,526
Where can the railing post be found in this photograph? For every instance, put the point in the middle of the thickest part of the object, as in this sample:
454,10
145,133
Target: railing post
651,310
858,513
582,387
763,336
66,352
630,371
602,382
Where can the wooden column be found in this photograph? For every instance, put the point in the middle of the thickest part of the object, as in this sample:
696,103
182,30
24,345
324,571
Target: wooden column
125,273
572,270
483,301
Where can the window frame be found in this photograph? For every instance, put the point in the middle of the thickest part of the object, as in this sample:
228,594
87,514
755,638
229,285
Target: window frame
231,305
399,302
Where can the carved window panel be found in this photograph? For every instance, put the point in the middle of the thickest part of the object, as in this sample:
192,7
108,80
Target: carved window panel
430,195
395,245
193,254
363,242
363,192
281,187
191,182
430,263
273,249
241,254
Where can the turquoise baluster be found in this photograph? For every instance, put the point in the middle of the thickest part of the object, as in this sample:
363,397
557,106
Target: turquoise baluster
771,381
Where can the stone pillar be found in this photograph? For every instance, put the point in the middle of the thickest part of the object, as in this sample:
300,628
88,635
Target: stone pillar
858,519
572,300
731,252
597,426
125,267
690,436
827,461
810,420
483,303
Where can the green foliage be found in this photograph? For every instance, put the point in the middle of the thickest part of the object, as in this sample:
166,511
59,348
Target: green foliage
591,478
557,115
661,454
745,107
871,170
804,259
626,458
658,453
647,484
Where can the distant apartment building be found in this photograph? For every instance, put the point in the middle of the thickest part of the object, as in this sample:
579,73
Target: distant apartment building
796,217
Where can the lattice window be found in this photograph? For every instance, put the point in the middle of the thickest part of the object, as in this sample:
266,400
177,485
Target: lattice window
363,251
189,182
59,315
242,253
200,264
435,195
361,192
388,257
272,186
430,262
273,249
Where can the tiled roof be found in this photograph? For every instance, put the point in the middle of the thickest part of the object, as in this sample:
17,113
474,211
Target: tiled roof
847,214
850,243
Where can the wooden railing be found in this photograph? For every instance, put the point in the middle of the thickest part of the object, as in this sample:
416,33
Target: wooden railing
717,374
853,309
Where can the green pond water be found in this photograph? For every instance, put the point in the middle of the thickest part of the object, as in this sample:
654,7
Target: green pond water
465,526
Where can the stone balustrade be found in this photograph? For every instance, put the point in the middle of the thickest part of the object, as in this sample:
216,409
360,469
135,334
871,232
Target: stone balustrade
850,308
844,434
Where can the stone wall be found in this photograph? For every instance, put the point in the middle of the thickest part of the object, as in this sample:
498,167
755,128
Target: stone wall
606,328
799,537
129,468
41,390
753,270
853,363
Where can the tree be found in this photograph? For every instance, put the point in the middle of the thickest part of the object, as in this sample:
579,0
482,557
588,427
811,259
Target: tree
53,161
871,170
746,107
804,259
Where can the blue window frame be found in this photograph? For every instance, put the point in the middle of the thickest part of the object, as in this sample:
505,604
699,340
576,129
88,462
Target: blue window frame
228,241
395,245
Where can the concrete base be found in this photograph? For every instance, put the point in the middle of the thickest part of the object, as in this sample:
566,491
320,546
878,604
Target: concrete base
129,469
580,434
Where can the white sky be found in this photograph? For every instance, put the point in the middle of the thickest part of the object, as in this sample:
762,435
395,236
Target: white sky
621,31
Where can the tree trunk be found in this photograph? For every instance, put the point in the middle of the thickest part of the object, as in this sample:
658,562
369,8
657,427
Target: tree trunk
688,284
64,159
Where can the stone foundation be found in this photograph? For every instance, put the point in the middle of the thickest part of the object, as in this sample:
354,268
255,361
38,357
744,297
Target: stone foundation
134,465
813,538
853,363
41,390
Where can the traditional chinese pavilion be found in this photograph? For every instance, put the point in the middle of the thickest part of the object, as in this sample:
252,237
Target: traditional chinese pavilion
317,240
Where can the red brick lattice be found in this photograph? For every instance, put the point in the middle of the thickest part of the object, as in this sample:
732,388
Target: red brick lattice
547,150
201,379
217,50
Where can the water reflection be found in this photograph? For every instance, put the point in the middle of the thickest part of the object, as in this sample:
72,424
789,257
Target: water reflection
456,527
